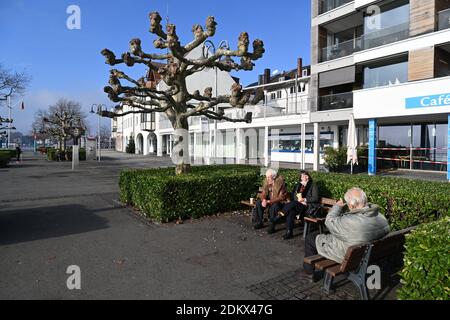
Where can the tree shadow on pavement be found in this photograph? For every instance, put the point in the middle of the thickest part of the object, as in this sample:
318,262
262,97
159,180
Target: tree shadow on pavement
47,222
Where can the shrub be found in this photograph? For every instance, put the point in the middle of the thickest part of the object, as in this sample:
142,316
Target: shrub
335,159
5,157
12,152
163,196
130,147
82,154
425,275
52,154
404,202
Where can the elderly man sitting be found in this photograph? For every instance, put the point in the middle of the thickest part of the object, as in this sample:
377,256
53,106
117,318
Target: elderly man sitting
363,222
272,196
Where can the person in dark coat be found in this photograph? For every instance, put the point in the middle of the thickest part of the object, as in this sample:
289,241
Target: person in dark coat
304,198
18,153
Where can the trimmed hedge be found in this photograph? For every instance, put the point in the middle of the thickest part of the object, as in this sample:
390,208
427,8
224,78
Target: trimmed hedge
67,155
163,196
159,194
12,152
404,202
425,275
5,158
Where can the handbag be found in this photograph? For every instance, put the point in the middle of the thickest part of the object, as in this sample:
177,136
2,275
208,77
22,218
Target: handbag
314,212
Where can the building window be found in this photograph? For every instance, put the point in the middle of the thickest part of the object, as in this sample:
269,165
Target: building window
386,73
279,94
273,96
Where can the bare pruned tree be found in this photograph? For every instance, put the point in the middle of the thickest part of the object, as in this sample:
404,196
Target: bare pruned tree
60,121
177,102
12,82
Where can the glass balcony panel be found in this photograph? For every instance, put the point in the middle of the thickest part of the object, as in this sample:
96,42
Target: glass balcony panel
444,19
328,5
370,40
336,101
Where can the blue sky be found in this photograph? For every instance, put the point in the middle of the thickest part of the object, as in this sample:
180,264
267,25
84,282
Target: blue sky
67,63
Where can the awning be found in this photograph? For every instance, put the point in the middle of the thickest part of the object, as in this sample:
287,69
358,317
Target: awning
337,77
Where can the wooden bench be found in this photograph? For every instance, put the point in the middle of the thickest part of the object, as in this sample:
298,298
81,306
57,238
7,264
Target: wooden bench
357,259
325,203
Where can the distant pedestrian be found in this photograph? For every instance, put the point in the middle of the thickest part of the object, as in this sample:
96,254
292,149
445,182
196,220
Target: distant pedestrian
18,153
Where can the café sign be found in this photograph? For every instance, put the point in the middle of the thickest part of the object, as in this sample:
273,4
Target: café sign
439,100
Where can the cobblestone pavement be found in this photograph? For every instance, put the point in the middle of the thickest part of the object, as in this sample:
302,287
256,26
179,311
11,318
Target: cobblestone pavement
296,285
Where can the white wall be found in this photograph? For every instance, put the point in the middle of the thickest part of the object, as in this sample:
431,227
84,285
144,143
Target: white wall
391,101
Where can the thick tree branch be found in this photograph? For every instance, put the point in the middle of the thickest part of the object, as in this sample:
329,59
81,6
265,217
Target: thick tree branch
200,36
155,25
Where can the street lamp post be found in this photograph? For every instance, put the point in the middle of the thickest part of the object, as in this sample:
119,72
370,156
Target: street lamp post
99,110
207,46
9,117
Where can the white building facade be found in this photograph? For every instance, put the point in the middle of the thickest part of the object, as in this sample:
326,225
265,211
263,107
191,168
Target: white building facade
280,130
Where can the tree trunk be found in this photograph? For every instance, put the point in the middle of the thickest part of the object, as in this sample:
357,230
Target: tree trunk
180,151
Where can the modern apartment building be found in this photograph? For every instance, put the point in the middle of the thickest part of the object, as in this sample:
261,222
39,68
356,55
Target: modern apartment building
387,62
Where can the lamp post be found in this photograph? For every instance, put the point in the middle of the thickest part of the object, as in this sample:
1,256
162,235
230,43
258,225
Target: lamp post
99,110
9,117
207,46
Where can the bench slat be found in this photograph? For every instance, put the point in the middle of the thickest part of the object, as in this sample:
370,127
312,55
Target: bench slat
334,271
313,259
247,203
325,264
328,201
314,220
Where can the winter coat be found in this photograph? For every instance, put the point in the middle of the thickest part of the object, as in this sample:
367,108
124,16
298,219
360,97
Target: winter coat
351,228
278,193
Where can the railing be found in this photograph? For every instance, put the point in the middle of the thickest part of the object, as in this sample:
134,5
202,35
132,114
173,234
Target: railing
385,36
274,108
369,40
444,19
336,101
328,5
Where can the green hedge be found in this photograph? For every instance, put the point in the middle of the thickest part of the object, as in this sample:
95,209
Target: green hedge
404,202
12,152
425,275
162,196
51,154
5,157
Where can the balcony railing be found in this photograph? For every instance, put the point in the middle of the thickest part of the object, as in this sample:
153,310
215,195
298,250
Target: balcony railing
336,101
328,5
444,19
368,41
274,108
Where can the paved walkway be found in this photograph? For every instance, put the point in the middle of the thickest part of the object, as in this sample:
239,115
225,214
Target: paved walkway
52,217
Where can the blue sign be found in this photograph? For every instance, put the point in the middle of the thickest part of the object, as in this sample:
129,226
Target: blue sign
372,147
438,100
448,150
